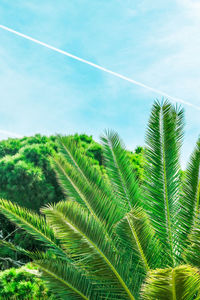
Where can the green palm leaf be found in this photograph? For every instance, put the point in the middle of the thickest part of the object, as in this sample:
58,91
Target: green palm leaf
192,252
137,242
83,237
137,236
70,152
77,185
63,279
83,166
120,172
162,169
180,283
191,193
16,248
32,223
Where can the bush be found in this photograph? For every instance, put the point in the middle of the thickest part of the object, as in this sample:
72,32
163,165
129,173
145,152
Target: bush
22,284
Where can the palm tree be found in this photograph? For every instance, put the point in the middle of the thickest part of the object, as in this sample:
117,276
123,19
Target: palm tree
115,238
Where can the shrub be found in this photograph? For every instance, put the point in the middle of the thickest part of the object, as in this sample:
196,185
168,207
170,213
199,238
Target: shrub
22,284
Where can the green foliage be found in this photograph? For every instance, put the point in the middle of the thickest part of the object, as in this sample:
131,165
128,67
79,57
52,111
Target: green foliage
91,148
27,178
191,192
137,161
115,237
23,283
180,283
163,174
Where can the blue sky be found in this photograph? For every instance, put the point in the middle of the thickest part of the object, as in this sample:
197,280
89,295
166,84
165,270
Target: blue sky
155,42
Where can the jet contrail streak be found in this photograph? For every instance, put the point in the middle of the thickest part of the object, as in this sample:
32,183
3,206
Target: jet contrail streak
157,91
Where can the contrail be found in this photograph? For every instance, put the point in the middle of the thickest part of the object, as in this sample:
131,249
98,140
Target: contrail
157,91
9,133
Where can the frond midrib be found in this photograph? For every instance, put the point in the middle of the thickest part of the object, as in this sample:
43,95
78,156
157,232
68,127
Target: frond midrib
166,200
120,174
134,233
173,285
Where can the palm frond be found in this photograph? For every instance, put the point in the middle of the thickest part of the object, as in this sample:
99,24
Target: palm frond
72,154
68,179
63,279
61,276
99,203
32,223
16,248
180,283
136,235
192,252
83,237
83,166
137,242
162,172
190,203
120,172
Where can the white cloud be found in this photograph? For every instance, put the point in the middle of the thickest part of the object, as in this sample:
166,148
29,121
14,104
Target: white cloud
191,7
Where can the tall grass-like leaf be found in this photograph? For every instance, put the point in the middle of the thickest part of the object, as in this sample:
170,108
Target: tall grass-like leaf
162,189
133,227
